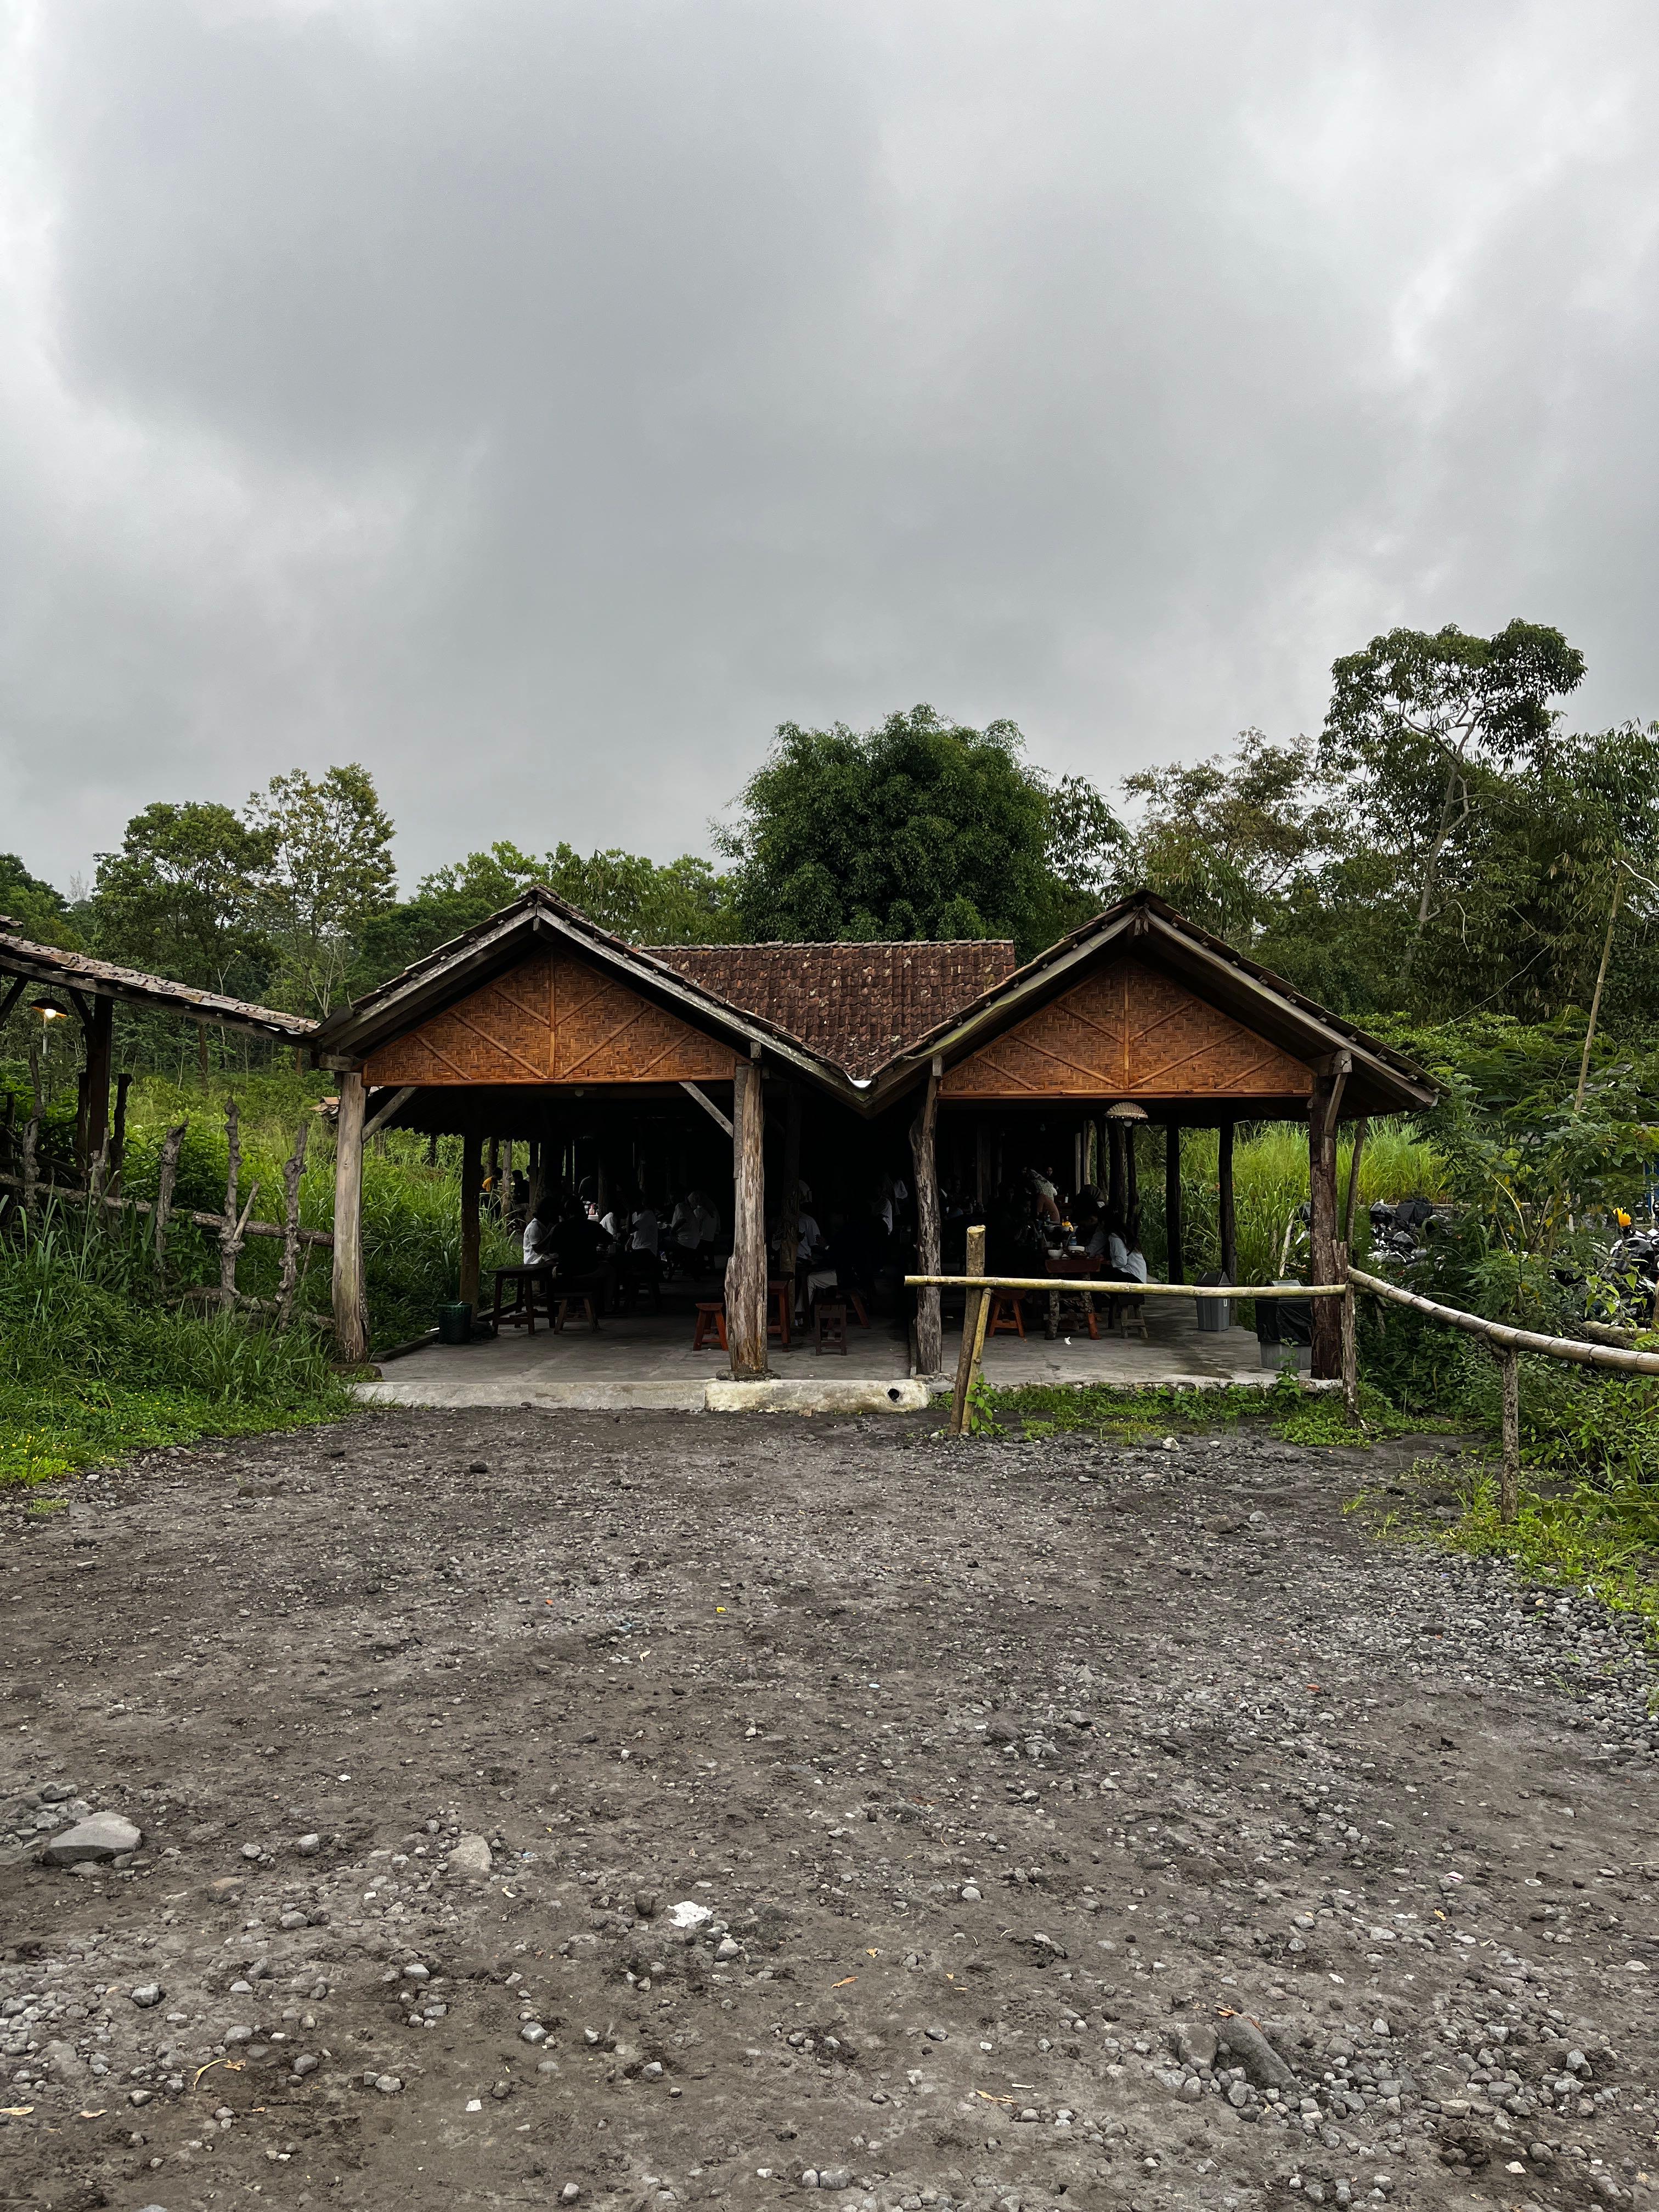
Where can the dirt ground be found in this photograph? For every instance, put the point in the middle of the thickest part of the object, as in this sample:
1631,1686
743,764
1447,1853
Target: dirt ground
1063,1825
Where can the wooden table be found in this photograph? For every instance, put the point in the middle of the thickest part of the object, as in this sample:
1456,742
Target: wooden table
526,1277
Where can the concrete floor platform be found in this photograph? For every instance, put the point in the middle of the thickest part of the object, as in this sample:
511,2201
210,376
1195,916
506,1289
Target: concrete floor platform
646,1362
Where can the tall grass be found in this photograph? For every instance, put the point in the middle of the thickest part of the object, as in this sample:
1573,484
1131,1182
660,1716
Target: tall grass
95,1361
1270,1184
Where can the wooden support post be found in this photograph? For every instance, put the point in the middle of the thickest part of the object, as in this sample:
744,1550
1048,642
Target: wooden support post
350,1285
1117,1183
930,1335
789,1208
745,1271
1509,1480
100,1040
288,1281
1174,1228
1350,1343
472,1189
166,1183
1131,1185
972,1333
1359,1128
1326,1360
1227,1206
981,1164
230,1239
118,1147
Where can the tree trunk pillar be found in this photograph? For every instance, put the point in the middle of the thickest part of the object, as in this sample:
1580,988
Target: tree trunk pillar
930,1335
1322,1220
746,1272
351,1283
789,1210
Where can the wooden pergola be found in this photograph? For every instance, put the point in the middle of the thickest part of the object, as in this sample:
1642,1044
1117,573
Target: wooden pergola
76,983
536,1018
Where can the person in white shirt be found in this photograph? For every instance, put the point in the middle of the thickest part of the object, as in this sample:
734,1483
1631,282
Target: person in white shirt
645,1231
539,1231
1124,1255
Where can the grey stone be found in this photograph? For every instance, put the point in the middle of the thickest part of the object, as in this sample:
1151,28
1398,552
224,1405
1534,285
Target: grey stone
1251,2050
146,1994
308,1846
64,2063
251,1851
388,2084
100,1836
726,1948
471,1858
969,1894
532,2032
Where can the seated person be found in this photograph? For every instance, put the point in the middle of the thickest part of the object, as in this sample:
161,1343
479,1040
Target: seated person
1124,1258
576,1244
538,1230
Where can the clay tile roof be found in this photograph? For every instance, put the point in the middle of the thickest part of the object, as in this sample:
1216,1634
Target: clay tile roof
856,1004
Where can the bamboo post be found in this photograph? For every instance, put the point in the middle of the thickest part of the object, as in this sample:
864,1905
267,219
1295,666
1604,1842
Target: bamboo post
1226,1206
1131,1182
1508,1481
472,1192
229,1246
972,1333
164,1188
32,1132
350,1285
746,1272
930,1346
1350,1343
289,1279
1174,1236
1326,1361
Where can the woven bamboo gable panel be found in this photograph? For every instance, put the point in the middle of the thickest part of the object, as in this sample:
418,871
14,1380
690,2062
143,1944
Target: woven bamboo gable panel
1128,1030
552,1020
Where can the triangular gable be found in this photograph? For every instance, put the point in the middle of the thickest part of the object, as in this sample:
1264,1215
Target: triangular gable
1128,1030
553,1018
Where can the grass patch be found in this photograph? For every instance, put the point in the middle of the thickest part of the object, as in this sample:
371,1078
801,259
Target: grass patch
48,1430
1128,1416
1582,1535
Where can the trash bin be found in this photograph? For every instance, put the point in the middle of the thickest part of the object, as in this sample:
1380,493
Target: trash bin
455,1323
1284,1330
1215,1313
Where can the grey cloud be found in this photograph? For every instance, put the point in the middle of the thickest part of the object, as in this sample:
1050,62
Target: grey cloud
539,401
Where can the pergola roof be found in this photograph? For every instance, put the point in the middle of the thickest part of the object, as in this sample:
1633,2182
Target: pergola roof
1380,1080
856,1005
78,973
864,1022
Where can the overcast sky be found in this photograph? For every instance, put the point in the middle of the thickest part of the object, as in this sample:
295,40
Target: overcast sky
538,402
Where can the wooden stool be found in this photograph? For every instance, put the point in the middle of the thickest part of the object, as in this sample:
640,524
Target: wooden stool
1006,1319
779,1296
528,1278
711,1321
583,1301
830,1322
1082,1304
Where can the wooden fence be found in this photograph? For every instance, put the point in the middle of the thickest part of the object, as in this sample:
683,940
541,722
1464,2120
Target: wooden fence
100,1194
1506,1344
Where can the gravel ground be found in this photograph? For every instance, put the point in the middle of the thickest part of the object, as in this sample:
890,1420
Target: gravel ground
655,1810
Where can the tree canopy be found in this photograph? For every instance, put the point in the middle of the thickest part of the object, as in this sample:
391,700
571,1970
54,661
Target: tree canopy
919,829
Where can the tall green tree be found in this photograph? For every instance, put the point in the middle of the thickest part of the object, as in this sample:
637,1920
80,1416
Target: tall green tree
919,829
330,874
1421,724
41,913
183,897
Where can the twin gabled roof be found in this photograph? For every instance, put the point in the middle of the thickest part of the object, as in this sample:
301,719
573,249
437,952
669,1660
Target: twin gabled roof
864,1021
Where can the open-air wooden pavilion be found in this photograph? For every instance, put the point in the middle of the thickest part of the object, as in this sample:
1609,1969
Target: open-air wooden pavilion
608,1059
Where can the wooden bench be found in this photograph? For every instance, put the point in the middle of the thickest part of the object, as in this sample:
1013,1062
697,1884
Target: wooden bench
528,1279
